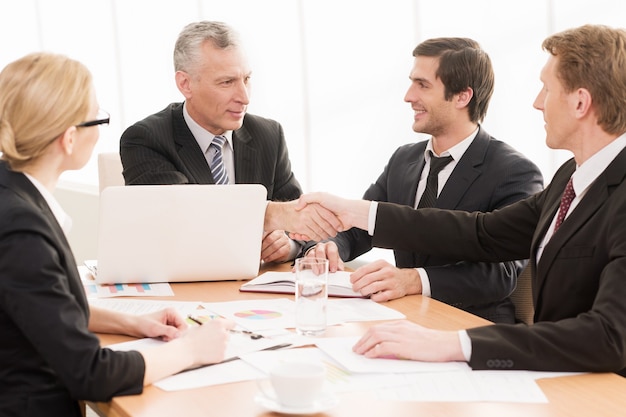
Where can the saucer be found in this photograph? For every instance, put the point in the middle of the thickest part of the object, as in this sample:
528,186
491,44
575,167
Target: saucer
327,401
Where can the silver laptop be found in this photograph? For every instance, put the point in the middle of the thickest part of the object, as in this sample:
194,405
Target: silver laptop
180,233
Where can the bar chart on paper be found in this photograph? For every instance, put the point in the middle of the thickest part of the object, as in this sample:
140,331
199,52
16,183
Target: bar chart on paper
257,314
94,290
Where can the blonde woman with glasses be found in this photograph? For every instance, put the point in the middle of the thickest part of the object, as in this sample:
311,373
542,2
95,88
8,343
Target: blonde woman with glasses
49,355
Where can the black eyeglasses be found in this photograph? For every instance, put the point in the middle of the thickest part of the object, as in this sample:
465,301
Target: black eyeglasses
102,119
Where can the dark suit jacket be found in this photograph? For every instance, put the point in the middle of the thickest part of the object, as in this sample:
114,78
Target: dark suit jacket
161,149
579,284
490,175
48,358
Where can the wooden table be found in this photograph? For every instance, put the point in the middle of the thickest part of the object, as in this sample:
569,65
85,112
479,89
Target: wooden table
581,395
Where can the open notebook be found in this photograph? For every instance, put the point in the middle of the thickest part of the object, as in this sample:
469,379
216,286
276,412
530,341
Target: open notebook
172,233
339,284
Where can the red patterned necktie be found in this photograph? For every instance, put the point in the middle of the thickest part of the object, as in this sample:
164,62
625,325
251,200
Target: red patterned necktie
566,201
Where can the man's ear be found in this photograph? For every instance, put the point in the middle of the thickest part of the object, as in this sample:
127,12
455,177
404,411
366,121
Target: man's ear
183,81
583,102
464,97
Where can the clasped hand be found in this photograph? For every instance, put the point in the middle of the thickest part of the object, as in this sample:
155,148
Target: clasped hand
316,216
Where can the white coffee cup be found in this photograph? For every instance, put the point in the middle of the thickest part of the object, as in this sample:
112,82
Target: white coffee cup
298,384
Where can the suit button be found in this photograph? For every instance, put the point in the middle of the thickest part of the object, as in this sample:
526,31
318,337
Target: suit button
509,363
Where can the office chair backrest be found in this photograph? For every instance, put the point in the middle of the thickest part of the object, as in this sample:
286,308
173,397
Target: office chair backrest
522,297
109,170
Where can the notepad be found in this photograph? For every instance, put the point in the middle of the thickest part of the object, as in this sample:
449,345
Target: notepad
339,284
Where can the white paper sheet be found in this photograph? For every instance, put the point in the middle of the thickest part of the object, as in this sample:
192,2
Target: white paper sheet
338,380
343,310
223,373
494,386
133,306
278,313
340,349
450,386
238,344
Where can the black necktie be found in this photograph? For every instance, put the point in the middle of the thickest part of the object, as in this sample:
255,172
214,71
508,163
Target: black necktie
432,182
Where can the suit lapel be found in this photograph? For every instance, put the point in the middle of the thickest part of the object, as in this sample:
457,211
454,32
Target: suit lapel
463,175
188,149
408,183
597,194
26,190
245,154
552,205
591,202
465,172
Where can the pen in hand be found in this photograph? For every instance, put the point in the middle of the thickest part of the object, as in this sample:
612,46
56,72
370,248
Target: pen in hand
195,320
253,336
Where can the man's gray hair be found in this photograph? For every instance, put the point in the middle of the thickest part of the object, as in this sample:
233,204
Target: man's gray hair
187,51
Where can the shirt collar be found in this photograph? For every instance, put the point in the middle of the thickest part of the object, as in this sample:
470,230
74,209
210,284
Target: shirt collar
203,136
64,220
591,169
456,151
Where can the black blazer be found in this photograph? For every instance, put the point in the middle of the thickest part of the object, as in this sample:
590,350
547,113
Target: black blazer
578,286
490,175
48,358
161,149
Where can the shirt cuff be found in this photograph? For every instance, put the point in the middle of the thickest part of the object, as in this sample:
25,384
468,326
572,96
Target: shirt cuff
466,345
294,249
425,282
371,220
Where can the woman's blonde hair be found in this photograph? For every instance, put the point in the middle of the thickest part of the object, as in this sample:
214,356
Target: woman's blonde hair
41,96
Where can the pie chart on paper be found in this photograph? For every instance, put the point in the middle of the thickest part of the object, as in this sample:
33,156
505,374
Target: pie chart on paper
258,314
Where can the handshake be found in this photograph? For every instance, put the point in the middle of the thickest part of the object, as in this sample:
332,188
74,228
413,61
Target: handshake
316,216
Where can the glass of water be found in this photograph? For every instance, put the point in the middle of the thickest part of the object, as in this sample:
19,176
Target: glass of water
311,295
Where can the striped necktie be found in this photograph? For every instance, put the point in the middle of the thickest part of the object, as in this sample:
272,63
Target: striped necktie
220,176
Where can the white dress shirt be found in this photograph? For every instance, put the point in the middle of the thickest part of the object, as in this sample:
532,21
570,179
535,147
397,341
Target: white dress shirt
64,220
204,139
456,152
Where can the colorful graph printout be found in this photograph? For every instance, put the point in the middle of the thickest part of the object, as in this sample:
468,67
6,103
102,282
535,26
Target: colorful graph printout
94,290
258,314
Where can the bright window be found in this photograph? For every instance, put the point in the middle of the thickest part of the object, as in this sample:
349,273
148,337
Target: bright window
333,72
